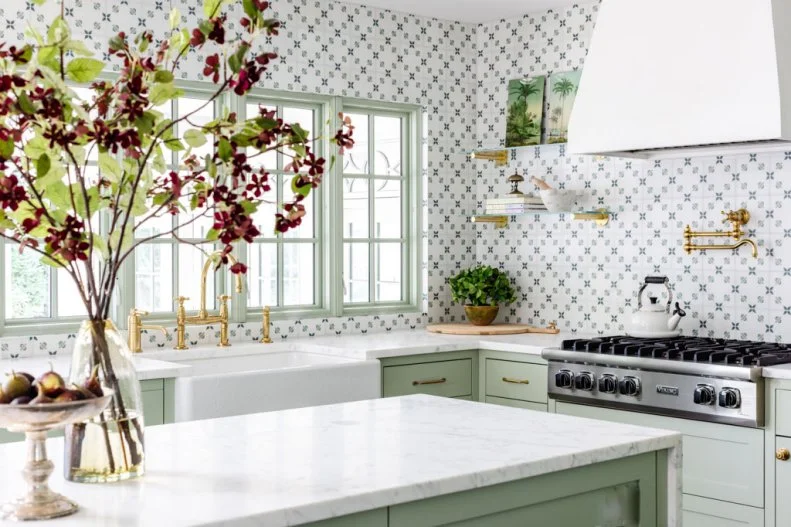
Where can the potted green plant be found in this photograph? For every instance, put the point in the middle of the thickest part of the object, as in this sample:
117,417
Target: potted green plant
481,290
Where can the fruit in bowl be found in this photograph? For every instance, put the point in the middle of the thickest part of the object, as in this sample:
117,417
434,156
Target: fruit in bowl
21,388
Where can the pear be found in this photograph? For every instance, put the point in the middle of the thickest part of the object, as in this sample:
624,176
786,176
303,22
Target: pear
3,398
16,385
51,384
84,392
92,383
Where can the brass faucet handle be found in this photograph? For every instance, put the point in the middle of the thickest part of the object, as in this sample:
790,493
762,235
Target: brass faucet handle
224,298
181,300
134,312
737,217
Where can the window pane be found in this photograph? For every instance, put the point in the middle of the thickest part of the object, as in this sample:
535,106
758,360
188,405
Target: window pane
264,217
27,284
298,260
355,161
355,208
155,226
154,277
195,224
262,274
269,159
355,273
388,272
202,116
69,300
387,208
387,132
305,230
191,261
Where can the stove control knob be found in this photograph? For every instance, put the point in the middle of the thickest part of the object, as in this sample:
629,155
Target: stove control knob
705,395
630,386
608,383
730,398
564,379
585,381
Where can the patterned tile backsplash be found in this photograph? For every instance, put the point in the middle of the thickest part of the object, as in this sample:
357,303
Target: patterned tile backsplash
573,272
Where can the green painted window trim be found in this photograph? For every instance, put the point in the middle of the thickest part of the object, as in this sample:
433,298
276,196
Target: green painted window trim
329,262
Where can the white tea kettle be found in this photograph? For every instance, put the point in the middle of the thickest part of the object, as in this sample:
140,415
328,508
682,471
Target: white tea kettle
654,320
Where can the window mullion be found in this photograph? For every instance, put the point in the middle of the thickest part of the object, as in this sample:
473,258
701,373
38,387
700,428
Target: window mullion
372,262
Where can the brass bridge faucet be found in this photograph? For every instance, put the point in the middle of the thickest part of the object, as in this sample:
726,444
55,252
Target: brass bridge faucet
738,219
135,325
265,323
203,317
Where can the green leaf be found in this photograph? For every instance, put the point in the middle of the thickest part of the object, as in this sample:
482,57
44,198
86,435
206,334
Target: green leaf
224,149
84,70
304,190
213,235
39,2
236,60
43,164
6,149
100,245
211,8
25,104
58,32
164,92
58,194
194,138
174,18
174,145
36,147
78,47
163,76
109,167
145,123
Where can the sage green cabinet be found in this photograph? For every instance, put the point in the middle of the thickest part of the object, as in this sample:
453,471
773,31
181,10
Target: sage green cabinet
443,374
514,377
703,512
783,483
515,403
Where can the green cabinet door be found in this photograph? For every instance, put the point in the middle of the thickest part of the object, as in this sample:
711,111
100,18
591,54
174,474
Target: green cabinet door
453,374
782,484
702,512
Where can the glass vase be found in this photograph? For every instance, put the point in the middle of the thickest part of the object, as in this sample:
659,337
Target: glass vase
109,447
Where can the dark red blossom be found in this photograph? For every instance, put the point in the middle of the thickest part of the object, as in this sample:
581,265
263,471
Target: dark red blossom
68,242
198,37
212,68
28,224
11,192
217,32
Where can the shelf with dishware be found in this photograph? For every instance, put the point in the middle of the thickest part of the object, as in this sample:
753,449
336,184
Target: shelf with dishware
601,217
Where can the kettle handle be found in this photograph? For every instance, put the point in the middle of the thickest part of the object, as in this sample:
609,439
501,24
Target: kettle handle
655,280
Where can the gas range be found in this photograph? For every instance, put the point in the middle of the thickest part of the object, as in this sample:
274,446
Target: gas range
716,380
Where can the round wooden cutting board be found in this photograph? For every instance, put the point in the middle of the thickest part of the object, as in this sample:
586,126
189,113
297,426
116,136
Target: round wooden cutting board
494,329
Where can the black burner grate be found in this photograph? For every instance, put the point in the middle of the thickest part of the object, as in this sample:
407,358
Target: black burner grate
687,349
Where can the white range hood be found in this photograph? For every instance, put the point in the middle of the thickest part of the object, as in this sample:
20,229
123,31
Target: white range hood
679,77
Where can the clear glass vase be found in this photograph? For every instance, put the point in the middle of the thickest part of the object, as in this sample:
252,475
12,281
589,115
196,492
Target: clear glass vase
109,447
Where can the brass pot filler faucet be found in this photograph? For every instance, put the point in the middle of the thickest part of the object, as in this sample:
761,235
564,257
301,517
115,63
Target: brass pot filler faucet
202,318
738,219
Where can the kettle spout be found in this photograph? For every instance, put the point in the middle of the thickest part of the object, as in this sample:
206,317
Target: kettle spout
676,317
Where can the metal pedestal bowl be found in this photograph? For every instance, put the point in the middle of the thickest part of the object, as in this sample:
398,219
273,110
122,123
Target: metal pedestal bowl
40,503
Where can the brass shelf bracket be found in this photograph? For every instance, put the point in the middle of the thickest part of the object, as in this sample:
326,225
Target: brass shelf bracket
737,219
601,217
499,221
500,157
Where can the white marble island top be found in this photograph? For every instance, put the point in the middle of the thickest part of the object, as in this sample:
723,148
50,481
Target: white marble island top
291,467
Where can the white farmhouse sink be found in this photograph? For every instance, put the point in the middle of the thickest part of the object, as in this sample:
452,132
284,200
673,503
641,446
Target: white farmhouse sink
265,381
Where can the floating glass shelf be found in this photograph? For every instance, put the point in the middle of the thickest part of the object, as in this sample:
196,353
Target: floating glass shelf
601,217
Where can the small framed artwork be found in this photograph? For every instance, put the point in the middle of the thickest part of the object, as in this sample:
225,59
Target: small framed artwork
525,112
562,92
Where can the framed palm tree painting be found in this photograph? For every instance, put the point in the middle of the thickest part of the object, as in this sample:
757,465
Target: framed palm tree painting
562,92
525,112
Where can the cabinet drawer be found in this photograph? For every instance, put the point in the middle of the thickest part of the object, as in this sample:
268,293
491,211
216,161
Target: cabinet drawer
721,462
515,403
783,412
516,380
700,512
451,378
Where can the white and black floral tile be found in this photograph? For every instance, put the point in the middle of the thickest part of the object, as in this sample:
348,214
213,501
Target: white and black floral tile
586,277
339,49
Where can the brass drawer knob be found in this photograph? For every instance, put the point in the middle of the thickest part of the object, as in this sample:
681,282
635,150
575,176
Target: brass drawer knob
783,454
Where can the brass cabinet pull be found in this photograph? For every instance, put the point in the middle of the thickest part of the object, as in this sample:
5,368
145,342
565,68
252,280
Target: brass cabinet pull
783,454
515,381
429,381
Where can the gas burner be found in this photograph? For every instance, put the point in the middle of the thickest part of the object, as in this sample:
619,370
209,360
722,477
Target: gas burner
688,349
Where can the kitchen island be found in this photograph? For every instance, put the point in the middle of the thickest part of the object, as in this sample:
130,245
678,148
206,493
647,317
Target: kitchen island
416,460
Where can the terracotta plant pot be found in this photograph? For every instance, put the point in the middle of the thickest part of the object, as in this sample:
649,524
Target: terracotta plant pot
481,315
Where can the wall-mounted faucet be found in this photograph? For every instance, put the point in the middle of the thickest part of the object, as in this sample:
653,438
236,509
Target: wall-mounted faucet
738,219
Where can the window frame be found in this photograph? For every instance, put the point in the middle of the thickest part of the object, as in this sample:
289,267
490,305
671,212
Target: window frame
328,226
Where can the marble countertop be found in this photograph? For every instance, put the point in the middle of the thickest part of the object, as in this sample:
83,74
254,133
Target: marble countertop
297,466
782,371
146,368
